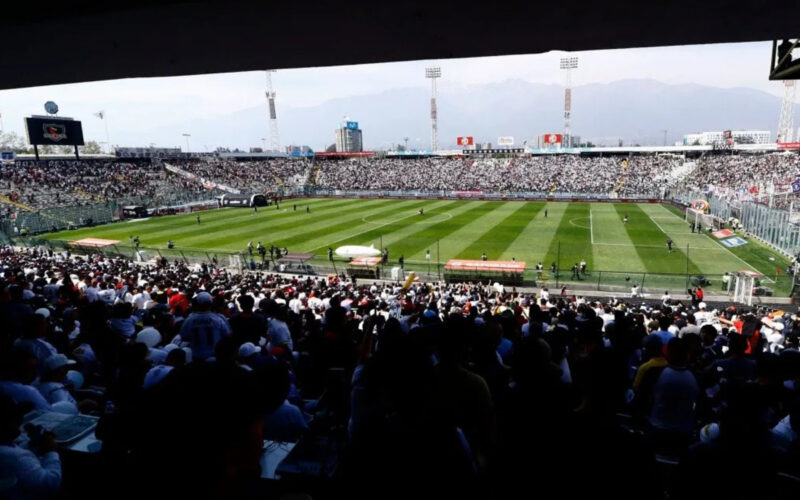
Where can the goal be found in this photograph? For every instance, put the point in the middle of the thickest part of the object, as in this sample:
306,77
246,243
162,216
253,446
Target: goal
707,221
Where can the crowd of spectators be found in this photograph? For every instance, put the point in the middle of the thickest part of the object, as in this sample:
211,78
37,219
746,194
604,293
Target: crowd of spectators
742,173
72,182
538,174
249,176
463,389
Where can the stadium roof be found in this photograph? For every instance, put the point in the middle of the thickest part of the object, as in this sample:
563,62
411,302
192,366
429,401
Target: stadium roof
78,41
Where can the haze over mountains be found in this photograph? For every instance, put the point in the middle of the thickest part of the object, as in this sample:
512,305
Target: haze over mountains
636,111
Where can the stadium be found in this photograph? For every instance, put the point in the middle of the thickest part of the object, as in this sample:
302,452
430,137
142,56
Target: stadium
474,318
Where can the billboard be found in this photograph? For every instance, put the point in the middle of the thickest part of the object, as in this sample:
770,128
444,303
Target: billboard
553,139
505,141
54,131
6,156
351,125
466,141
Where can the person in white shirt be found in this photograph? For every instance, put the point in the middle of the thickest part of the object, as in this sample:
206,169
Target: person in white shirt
141,298
106,294
37,471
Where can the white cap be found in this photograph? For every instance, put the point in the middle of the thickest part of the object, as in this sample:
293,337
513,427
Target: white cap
43,311
149,336
702,305
57,361
248,349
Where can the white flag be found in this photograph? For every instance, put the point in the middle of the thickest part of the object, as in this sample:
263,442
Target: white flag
100,114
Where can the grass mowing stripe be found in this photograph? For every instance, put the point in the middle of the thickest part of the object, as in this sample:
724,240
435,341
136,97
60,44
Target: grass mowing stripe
321,237
369,234
574,239
297,230
534,240
412,234
465,235
496,239
612,244
261,219
158,228
413,246
642,230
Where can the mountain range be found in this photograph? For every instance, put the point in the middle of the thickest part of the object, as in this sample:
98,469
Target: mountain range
637,111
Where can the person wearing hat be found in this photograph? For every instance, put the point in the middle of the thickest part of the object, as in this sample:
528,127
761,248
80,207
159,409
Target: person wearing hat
247,354
51,385
203,328
37,471
176,357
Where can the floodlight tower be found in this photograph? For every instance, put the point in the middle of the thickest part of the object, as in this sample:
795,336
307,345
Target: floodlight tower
568,64
786,122
433,73
274,138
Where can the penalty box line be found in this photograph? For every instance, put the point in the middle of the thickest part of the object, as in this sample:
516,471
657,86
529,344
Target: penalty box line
721,246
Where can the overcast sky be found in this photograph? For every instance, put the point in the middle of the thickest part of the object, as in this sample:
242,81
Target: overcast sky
139,104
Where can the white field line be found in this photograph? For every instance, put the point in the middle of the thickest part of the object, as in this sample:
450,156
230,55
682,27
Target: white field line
654,246
659,225
591,226
720,245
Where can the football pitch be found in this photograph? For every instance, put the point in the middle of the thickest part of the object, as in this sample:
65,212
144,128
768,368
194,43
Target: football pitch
569,233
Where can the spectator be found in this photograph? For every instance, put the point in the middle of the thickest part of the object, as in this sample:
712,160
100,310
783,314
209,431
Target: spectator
37,471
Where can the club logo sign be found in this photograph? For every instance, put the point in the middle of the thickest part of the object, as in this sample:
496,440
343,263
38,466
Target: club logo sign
54,131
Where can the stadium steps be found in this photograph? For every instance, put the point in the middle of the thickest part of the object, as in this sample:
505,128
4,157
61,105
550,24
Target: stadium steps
312,179
90,196
21,206
623,177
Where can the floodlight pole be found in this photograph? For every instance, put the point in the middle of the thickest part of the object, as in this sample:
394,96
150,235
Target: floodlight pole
433,73
274,138
187,141
568,64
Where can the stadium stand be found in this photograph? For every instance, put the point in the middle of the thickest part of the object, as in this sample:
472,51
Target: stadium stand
31,187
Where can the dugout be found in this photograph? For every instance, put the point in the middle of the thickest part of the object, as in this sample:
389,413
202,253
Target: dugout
507,272
295,263
243,200
134,212
365,267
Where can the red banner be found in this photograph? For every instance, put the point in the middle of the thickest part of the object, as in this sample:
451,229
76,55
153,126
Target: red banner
784,146
466,141
553,139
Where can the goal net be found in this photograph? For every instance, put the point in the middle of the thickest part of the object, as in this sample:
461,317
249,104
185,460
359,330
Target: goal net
703,220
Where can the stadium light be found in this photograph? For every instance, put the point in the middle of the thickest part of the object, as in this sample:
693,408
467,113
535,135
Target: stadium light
568,63
433,72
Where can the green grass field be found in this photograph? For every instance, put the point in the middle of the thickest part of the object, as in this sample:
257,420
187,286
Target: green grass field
465,229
